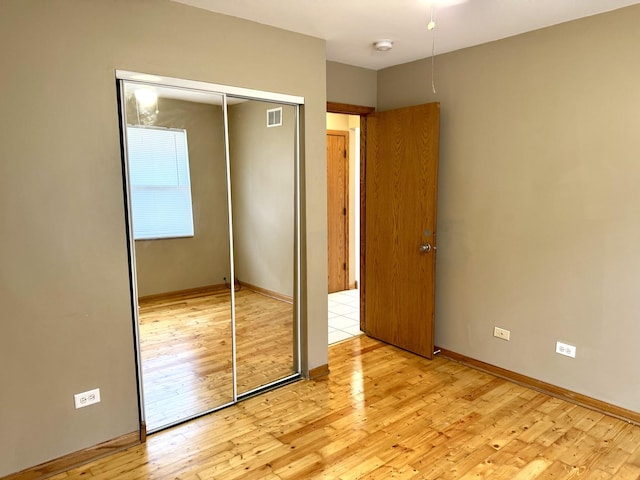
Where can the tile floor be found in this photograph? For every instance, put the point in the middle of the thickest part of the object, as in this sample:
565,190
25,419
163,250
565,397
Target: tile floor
344,315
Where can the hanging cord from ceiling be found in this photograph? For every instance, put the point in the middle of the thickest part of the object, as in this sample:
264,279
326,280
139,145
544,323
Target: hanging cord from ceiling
431,26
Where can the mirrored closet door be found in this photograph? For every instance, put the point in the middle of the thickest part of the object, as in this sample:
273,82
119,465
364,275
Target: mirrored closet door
263,165
211,196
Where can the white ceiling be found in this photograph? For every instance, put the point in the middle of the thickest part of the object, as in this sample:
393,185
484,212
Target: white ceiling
350,27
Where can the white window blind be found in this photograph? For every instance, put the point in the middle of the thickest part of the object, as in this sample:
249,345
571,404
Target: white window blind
159,182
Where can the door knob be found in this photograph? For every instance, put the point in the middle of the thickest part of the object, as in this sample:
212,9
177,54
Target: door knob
426,248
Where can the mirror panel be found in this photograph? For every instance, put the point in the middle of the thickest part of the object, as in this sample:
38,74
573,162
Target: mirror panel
178,187
262,152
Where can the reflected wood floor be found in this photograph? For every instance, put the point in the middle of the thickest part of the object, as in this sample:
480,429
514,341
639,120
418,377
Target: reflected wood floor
185,342
384,413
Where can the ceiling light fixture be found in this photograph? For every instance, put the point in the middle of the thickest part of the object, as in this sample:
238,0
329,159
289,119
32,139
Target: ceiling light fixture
383,45
146,97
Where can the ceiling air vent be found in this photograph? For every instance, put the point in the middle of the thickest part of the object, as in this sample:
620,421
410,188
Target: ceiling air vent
274,117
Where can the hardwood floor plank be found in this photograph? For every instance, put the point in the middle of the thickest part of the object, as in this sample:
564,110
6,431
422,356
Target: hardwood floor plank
597,475
628,472
383,413
385,471
533,469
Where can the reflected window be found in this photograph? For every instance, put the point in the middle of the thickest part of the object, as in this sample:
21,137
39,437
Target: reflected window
160,183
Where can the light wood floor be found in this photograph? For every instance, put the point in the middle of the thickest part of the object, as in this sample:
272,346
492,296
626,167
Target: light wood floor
185,343
384,413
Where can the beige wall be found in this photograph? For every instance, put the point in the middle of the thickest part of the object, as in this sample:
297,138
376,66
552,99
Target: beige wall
172,264
337,121
64,288
263,195
351,85
538,225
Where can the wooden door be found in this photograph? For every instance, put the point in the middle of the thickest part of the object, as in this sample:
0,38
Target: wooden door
400,226
338,209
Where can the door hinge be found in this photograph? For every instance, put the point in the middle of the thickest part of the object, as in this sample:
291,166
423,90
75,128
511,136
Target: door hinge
344,153
344,211
344,266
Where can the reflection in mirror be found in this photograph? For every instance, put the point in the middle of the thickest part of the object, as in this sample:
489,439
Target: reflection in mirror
178,192
262,146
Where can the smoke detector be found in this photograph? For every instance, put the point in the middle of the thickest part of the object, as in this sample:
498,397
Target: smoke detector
383,45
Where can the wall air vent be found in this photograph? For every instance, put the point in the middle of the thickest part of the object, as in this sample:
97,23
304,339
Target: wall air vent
274,117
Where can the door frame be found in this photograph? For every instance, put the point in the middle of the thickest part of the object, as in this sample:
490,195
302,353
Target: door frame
363,112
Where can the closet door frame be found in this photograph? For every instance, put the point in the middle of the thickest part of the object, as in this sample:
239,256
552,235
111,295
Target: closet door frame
226,91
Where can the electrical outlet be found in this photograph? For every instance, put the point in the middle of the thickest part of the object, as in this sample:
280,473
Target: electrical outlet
566,349
501,333
87,398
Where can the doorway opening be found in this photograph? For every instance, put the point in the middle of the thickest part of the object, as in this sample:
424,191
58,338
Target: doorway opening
343,224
